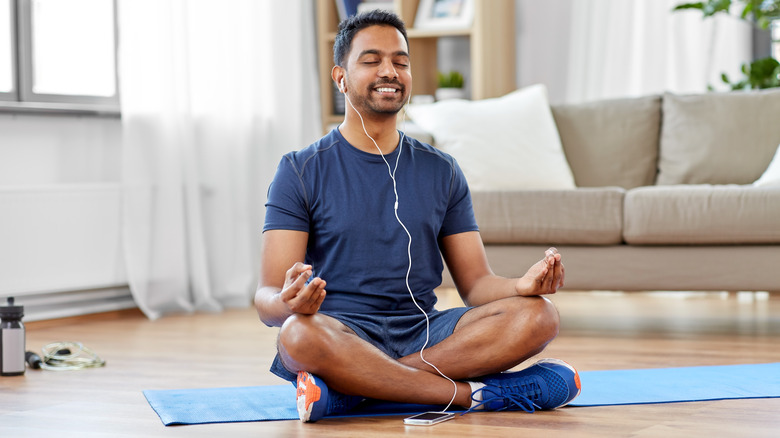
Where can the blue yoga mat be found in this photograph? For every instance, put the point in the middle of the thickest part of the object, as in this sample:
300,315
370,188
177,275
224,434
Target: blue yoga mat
599,388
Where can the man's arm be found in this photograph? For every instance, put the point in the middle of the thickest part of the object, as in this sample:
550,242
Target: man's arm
282,289
465,256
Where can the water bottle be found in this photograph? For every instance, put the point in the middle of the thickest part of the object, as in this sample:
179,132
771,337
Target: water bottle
12,340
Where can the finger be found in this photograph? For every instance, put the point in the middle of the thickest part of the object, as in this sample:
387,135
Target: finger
310,299
546,281
314,290
296,270
563,275
557,275
299,268
294,286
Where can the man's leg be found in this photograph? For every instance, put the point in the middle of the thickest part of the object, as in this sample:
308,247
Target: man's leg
487,339
348,364
492,338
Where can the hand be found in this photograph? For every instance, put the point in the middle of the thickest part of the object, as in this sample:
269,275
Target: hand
544,277
299,296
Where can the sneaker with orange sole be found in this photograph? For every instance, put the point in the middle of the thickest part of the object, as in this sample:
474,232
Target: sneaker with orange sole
314,400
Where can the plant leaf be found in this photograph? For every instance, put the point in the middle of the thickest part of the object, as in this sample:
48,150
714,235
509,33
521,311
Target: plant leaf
697,5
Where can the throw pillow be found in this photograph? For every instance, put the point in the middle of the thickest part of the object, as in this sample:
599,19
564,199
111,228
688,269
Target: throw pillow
611,142
717,138
771,176
505,143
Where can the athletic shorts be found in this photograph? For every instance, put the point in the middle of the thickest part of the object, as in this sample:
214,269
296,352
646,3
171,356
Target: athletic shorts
396,336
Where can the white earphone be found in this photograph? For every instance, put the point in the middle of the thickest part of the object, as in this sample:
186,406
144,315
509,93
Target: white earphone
391,172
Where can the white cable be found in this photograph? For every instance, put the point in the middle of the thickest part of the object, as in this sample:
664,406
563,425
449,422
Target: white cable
391,172
67,356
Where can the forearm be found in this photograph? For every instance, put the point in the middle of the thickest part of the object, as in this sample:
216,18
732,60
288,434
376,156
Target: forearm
270,308
488,289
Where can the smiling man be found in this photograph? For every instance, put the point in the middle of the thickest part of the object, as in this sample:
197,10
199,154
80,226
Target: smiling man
372,212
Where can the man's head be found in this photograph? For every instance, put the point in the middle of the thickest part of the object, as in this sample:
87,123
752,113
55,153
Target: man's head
372,63
352,25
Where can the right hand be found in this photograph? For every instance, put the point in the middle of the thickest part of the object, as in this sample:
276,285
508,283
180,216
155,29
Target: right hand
299,296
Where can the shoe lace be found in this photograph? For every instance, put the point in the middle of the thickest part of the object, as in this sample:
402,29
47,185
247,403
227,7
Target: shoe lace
517,395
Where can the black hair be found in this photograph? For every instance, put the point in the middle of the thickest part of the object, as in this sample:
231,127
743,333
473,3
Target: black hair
352,25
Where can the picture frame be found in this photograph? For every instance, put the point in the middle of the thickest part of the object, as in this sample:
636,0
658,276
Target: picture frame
444,14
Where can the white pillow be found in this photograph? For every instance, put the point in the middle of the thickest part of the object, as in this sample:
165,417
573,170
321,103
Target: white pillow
771,176
506,143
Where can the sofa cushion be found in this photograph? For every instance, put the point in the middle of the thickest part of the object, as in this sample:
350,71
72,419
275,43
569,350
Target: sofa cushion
505,143
718,138
702,214
611,142
587,216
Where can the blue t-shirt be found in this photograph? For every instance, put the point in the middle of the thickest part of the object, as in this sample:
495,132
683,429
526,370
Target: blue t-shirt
343,197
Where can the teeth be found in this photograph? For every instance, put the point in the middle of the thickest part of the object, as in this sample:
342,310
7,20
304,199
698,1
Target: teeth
386,90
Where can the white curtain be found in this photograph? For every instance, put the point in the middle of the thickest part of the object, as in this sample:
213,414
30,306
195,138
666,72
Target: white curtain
622,48
213,92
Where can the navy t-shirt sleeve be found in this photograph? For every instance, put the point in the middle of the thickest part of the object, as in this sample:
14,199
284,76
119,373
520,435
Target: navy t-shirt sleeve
287,206
460,212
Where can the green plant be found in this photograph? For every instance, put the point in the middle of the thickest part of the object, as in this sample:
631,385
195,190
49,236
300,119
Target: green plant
761,73
452,79
760,12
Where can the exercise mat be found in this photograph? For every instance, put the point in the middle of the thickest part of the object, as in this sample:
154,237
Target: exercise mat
599,388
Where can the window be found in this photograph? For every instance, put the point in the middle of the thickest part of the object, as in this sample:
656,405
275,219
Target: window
58,54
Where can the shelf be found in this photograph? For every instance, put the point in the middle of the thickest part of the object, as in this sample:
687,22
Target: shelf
491,44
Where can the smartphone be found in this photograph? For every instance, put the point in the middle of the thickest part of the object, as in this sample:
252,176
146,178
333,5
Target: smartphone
428,418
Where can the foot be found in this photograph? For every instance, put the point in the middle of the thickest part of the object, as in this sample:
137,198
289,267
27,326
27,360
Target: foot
547,384
315,401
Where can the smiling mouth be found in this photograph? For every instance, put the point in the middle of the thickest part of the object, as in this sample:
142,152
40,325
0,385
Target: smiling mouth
386,90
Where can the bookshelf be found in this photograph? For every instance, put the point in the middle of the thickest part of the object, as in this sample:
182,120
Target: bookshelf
491,43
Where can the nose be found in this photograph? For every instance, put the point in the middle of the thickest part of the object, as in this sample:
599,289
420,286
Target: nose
387,70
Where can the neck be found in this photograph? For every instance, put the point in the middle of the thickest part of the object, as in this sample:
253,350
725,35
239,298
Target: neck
382,130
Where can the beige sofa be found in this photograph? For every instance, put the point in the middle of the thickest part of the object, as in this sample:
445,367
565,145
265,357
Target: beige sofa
664,197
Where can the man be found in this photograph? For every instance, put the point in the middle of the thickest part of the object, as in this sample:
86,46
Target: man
371,212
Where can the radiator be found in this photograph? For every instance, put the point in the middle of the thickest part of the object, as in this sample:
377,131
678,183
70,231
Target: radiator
61,250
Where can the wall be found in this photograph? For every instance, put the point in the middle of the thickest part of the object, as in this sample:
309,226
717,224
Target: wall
60,211
542,40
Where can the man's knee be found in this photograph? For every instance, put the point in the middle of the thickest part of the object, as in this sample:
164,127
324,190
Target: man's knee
304,336
297,333
537,314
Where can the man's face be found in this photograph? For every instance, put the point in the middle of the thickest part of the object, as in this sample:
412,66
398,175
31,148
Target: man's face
378,74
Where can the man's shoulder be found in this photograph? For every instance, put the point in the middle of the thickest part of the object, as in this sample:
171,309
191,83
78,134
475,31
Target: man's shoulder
300,157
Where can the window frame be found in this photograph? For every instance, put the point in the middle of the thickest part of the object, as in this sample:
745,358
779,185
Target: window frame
22,99
12,96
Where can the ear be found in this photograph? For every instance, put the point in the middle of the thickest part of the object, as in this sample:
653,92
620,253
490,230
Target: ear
339,74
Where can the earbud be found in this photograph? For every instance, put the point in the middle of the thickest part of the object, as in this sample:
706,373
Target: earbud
341,85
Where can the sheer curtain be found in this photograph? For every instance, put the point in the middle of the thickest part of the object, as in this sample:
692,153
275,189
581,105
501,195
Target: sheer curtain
624,48
213,92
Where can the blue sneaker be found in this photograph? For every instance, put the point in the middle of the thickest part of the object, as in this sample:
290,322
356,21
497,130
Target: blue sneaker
547,384
315,401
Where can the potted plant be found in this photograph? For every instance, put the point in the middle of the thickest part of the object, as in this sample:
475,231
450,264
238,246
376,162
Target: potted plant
761,73
450,86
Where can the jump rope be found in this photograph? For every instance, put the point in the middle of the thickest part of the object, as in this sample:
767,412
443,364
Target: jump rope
391,172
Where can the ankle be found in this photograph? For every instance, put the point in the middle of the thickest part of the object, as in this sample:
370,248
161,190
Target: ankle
475,395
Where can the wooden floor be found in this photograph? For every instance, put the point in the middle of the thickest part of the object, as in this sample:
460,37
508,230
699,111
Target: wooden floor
599,331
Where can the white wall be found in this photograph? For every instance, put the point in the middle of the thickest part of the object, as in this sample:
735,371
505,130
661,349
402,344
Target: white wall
60,202
543,39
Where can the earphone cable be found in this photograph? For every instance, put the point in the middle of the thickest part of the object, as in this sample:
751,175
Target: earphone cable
392,172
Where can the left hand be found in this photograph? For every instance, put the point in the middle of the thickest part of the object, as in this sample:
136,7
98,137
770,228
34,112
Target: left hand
544,277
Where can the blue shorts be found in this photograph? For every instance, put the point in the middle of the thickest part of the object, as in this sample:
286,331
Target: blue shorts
396,336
